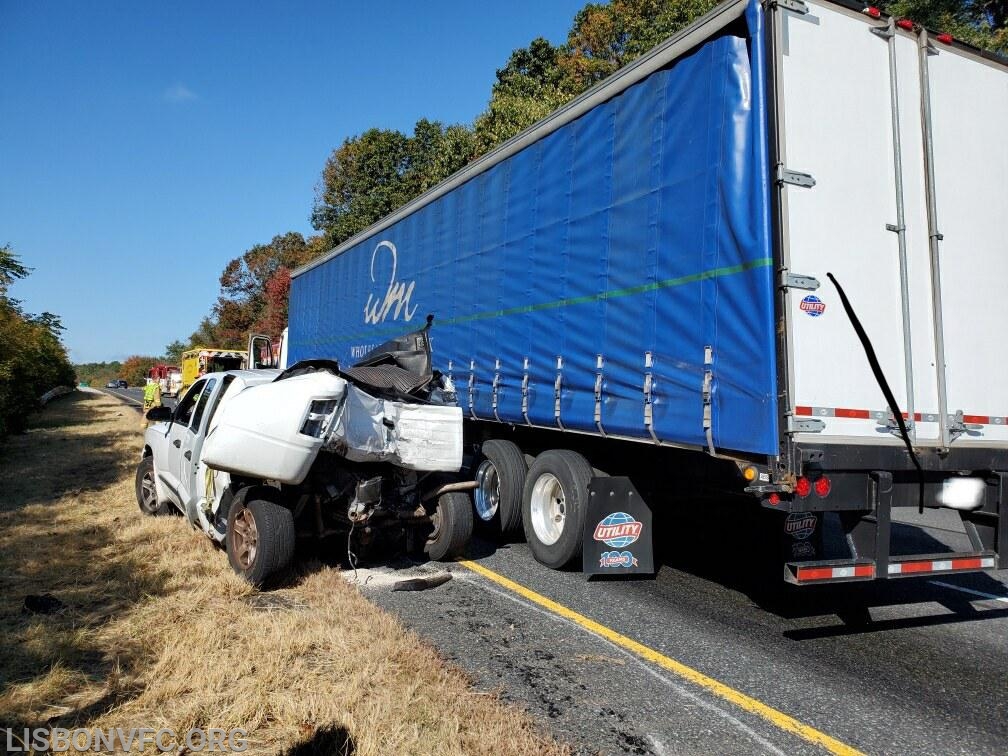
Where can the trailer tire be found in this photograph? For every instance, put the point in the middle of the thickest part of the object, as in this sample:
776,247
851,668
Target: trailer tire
146,490
500,476
453,527
259,540
553,506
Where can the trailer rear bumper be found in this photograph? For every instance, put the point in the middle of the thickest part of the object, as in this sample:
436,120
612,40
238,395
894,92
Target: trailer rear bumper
856,570
865,485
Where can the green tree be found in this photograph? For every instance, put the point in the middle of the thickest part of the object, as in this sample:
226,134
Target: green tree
97,373
604,38
11,270
173,352
32,358
371,175
135,369
528,88
982,23
254,291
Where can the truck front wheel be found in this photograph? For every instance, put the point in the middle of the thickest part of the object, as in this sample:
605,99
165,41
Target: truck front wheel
260,540
453,527
146,491
554,504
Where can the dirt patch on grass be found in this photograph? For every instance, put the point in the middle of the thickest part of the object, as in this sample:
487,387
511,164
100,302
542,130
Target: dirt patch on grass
148,627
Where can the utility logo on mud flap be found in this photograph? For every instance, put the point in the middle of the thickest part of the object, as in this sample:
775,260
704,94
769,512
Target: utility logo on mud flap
618,530
800,525
813,306
617,559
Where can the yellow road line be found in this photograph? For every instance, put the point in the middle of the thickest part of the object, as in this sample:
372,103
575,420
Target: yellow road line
750,704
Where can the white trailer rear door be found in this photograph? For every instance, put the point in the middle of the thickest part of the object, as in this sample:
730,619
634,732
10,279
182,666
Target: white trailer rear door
835,107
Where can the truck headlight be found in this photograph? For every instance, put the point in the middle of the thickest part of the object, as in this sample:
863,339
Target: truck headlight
320,415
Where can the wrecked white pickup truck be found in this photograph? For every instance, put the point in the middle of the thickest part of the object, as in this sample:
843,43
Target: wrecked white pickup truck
260,458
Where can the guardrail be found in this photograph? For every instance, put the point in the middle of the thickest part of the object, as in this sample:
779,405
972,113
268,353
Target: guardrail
48,396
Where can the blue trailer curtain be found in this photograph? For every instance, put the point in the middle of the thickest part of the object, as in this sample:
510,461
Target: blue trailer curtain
641,227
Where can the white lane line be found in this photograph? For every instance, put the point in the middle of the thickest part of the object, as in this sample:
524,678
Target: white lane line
981,594
679,689
124,397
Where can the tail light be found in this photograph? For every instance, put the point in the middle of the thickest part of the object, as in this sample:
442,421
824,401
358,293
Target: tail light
872,11
803,487
823,487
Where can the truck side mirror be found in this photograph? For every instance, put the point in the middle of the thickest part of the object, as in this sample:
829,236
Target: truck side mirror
159,414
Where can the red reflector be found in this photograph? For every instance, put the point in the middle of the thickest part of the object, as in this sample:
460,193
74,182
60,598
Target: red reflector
967,564
905,23
860,414
822,487
872,11
945,39
803,487
815,573
774,499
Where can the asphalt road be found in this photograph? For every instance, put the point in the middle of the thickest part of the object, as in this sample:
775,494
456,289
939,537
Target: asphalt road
891,667
134,396
907,666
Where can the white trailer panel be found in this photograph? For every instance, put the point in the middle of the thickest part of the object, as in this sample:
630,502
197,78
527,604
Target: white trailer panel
969,111
836,118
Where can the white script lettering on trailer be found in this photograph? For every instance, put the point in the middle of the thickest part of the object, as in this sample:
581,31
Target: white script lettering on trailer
397,295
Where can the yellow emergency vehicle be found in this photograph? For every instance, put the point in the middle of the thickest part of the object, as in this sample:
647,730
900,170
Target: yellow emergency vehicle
200,360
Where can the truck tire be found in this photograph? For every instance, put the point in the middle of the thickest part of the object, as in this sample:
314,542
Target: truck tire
553,506
146,490
501,479
453,527
259,540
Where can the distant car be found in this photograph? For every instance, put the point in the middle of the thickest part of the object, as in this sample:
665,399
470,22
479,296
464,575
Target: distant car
112,384
121,384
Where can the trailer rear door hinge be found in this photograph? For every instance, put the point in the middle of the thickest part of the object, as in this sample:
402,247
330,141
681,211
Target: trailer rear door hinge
792,5
805,425
892,426
797,178
958,426
789,280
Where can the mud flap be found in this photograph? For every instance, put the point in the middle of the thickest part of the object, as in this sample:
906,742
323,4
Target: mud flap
803,536
618,531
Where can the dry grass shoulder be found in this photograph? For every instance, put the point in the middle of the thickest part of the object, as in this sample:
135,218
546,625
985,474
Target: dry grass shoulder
156,631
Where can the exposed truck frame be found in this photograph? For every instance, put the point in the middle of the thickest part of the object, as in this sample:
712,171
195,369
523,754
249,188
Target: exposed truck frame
665,280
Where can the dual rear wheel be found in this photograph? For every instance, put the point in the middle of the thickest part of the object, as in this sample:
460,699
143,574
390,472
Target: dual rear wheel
547,499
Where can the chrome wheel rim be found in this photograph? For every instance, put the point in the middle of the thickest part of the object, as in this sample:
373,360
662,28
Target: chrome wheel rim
549,509
245,538
148,493
486,497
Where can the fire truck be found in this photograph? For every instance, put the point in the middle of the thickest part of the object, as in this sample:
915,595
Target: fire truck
169,377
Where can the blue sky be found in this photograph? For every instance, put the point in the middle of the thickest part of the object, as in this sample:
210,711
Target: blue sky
144,145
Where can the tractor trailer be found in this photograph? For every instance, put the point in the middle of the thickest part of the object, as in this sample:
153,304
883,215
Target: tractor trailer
767,259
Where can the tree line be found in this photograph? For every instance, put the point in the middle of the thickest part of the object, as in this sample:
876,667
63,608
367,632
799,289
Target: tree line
33,359
372,174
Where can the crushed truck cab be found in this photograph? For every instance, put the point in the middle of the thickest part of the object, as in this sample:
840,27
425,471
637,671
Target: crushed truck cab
257,459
